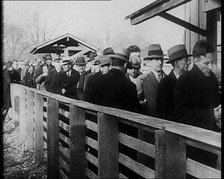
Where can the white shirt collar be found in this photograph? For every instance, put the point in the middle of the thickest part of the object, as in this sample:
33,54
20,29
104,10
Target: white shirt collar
176,75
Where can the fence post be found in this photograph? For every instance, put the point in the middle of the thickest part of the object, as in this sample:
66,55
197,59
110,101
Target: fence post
39,143
52,139
107,146
15,103
170,155
77,139
22,116
29,121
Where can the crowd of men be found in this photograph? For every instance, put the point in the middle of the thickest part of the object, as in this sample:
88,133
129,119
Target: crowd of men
189,94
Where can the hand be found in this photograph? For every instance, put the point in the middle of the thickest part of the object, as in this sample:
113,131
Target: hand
63,91
217,113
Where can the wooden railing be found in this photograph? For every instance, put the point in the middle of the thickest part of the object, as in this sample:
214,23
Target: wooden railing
82,140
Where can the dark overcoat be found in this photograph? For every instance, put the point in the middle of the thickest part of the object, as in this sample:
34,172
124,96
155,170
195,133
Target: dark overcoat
69,83
89,84
114,90
29,79
6,89
164,97
195,96
48,80
80,86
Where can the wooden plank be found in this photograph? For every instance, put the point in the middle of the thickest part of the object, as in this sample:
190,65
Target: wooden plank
201,171
63,164
90,174
39,143
77,147
121,176
52,136
91,142
136,167
92,159
203,147
63,175
64,138
64,151
22,116
210,5
45,114
29,120
91,125
154,11
183,23
140,146
64,113
107,146
45,124
64,126
170,155
91,112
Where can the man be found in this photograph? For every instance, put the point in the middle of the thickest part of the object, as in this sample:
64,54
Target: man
178,58
147,84
48,61
67,80
113,89
80,66
104,68
196,98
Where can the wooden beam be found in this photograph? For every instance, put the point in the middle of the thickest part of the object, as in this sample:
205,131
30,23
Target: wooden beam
145,14
209,5
183,23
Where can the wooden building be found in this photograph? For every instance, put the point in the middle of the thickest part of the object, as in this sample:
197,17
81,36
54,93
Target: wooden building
202,20
65,45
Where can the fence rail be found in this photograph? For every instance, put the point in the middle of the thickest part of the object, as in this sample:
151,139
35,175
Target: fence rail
82,140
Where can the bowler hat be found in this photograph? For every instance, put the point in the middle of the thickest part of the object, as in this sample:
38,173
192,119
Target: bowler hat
108,51
134,48
177,52
154,52
48,56
121,54
66,61
80,61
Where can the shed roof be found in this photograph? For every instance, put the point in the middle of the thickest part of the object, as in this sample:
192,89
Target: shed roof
58,45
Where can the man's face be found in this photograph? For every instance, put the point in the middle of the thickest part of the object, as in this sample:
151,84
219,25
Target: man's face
157,65
49,61
104,69
204,63
133,72
81,68
182,65
15,65
66,68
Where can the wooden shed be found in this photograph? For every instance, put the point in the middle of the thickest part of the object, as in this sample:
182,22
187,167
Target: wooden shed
66,45
202,20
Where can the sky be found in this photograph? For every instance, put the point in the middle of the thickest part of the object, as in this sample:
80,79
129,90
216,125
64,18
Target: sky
92,19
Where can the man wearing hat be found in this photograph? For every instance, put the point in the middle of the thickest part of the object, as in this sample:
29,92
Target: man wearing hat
113,89
81,65
104,68
68,79
147,84
178,58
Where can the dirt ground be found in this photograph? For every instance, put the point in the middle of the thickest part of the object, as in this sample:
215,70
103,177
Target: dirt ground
19,162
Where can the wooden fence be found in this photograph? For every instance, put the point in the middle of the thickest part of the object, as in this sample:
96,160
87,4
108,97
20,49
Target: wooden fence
82,140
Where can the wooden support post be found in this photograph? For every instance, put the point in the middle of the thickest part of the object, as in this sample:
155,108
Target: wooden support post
29,121
77,145
108,146
39,143
22,115
15,104
52,139
170,155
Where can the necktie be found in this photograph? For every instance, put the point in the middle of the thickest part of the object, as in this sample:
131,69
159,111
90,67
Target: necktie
159,77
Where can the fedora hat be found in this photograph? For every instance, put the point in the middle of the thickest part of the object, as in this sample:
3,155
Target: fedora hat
121,54
105,60
92,55
96,61
66,61
108,51
80,61
177,52
48,56
154,52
